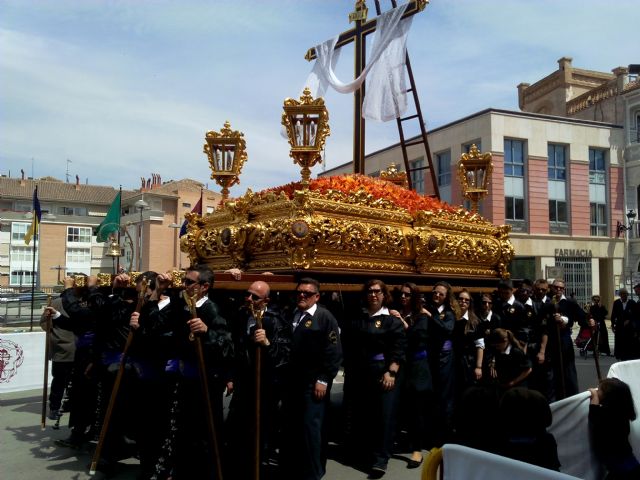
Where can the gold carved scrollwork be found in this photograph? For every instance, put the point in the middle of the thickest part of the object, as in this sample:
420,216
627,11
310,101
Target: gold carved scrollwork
335,231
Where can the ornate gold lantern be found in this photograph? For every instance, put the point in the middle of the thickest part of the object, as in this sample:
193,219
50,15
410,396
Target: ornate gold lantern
474,173
226,151
307,124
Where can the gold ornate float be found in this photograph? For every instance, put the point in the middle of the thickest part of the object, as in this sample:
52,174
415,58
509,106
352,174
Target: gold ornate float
352,224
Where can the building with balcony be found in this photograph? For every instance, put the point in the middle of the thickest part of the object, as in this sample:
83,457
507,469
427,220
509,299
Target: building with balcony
70,214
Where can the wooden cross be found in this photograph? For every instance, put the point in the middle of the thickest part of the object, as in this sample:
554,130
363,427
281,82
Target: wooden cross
357,35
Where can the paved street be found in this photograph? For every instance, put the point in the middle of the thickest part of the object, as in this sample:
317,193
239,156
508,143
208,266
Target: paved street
28,453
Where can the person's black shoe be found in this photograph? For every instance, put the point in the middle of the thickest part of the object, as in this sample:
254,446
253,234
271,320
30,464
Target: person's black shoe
411,463
378,471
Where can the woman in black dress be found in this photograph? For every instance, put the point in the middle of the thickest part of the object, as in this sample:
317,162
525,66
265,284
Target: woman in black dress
468,343
417,385
374,345
599,313
442,311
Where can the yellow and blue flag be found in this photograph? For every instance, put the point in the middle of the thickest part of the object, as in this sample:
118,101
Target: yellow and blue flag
35,220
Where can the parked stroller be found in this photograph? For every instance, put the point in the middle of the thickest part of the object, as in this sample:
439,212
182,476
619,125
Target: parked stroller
585,341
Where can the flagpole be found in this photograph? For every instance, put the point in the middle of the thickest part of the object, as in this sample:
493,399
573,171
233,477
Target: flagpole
33,276
35,221
119,217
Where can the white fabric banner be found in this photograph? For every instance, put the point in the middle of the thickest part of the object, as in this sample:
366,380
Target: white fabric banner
471,464
629,372
22,361
570,427
385,97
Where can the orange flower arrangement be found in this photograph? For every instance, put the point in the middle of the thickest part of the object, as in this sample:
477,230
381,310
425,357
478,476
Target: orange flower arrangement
377,188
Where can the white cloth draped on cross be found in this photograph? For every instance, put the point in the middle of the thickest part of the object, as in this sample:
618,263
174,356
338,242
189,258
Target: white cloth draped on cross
385,97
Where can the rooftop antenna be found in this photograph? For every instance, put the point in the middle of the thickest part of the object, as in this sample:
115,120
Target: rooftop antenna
68,162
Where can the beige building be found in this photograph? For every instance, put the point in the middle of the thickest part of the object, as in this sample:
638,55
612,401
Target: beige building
557,181
71,212
607,97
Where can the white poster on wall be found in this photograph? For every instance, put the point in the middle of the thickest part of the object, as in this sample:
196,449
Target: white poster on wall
22,361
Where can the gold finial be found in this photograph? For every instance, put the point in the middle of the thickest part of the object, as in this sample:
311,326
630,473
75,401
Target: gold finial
360,13
393,175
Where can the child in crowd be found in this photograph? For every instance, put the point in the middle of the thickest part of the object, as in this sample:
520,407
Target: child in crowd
508,364
610,414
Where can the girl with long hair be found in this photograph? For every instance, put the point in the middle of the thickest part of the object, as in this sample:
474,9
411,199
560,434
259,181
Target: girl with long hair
417,387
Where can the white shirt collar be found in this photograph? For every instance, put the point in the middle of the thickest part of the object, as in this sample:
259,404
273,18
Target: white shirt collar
201,302
508,350
529,302
382,311
466,315
512,300
163,303
311,310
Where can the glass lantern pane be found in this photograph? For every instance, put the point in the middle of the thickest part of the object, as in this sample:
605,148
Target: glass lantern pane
311,128
228,157
217,157
297,121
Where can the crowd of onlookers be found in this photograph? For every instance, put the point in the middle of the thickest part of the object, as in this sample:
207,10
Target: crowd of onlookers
420,368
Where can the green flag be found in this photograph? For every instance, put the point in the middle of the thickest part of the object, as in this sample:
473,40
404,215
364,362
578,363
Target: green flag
111,223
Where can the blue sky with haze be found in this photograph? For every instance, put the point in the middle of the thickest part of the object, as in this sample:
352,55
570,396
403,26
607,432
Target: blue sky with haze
127,88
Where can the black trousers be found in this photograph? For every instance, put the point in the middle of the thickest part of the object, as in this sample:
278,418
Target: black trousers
304,439
61,373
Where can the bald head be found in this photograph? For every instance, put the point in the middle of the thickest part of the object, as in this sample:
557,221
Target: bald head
260,288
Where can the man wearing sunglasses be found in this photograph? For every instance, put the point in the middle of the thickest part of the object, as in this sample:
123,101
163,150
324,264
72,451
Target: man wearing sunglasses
562,314
186,451
316,355
259,325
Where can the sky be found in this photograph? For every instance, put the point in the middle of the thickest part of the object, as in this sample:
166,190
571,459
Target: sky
115,90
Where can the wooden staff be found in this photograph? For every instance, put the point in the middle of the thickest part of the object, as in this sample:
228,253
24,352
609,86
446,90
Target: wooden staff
204,385
257,315
47,348
116,385
563,388
596,350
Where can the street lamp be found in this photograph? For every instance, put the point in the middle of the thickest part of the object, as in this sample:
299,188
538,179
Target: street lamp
620,230
142,206
177,227
621,227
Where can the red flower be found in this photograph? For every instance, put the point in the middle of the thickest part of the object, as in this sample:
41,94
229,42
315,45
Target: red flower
377,188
